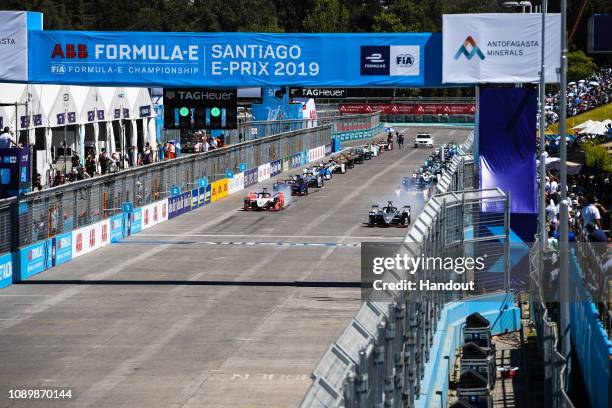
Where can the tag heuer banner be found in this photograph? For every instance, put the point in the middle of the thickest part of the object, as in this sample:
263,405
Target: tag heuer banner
499,48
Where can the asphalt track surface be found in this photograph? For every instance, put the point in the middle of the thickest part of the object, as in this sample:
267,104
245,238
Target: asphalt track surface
216,308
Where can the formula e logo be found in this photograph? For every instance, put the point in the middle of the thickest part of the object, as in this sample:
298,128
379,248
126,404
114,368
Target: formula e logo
404,60
70,51
463,50
375,60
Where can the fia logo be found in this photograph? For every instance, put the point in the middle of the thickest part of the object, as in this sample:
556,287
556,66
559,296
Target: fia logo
404,60
58,69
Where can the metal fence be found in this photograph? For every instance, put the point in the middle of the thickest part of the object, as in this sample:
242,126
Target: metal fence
252,130
61,209
352,123
380,357
548,337
461,173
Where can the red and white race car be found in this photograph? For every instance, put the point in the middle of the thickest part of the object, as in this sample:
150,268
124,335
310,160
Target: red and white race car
264,201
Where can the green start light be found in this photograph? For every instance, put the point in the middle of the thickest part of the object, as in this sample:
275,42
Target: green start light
184,111
215,112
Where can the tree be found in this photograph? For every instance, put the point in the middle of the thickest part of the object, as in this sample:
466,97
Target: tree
597,157
327,16
579,66
388,22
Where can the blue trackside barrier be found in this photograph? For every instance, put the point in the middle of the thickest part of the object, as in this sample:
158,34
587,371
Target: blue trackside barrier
498,308
33,259
117,230
61,249
590,342
6,270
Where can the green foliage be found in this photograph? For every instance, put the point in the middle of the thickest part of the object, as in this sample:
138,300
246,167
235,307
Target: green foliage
597,156
327,16
579,66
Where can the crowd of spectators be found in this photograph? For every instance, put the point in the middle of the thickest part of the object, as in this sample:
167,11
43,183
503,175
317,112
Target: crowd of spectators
106,163
582,95
589,205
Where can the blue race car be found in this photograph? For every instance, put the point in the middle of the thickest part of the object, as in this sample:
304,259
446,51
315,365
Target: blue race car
298,185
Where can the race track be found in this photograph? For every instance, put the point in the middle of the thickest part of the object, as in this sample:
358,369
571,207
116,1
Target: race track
216,308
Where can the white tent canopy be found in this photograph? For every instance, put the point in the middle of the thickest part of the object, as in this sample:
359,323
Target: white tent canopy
583,125
595,128
64,110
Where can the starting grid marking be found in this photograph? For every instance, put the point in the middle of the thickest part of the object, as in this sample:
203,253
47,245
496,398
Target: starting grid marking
253,243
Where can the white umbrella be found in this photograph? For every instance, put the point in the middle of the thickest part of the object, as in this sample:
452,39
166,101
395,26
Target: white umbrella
595,128
582,81
593,83
389,129
583,125
571,83
548,161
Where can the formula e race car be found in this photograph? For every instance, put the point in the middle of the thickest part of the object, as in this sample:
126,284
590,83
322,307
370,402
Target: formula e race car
314,176
348,160
264,201
357,155
337,166
297,186
324,170
389,216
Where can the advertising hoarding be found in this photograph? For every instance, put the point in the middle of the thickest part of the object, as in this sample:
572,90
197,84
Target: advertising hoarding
499,48
232,59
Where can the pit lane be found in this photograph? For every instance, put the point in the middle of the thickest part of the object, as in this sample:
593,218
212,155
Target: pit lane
167,319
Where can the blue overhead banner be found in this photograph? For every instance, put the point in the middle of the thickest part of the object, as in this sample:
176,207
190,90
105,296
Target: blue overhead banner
234,59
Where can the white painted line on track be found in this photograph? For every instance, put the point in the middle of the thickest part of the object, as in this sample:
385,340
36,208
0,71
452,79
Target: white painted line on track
270,236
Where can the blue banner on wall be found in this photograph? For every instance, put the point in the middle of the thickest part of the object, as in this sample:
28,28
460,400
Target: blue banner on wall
136,221
296,160
179,204
235,59
250,177
116,228
34,259
62,248
276,167
6,270
195,198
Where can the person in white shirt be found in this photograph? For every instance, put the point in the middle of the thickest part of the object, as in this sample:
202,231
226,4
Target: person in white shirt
552,211
6,139
554,186
590,213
